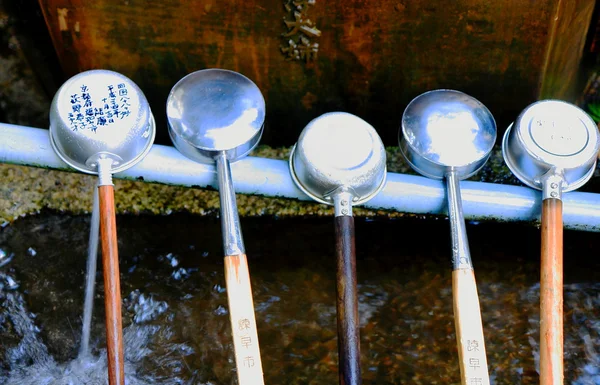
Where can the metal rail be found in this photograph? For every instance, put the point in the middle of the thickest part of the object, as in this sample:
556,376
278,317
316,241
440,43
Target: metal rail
259,176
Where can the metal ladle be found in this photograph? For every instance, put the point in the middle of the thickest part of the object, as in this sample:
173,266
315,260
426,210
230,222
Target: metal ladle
101,123
553,147
339,160
447,134
217,116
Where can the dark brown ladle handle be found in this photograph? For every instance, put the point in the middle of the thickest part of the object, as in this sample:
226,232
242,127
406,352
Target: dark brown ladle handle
551,294
347,303
112,285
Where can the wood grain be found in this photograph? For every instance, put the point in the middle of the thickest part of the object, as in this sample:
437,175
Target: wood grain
112,286
469,329
566,40
374,55
348,322
551,294
243,321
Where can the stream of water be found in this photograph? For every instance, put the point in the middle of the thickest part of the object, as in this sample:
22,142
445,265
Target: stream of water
90,277
175,305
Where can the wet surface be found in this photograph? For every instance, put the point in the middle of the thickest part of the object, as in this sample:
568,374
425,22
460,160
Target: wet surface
175,308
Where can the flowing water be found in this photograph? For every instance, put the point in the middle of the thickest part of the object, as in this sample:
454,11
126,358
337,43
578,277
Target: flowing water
90,277
175,304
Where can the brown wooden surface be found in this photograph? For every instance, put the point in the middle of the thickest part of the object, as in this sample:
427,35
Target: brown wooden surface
348,322
243,321
551,294
112,286
373,56
469,329
566,40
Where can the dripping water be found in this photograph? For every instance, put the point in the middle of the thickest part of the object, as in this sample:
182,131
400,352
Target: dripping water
90,282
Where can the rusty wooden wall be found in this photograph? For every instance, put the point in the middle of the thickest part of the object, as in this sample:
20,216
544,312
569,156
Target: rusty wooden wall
373,56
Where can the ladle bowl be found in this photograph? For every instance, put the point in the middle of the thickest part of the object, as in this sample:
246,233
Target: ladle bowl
339,150
101,114
215,111
445,130
552,136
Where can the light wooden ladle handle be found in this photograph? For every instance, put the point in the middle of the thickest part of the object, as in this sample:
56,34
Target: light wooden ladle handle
467,313
551,294
469,329
112,285
243,321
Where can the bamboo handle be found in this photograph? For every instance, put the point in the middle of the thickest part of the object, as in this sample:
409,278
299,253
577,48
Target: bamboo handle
469,329
348,323
551,294
243,321
112,286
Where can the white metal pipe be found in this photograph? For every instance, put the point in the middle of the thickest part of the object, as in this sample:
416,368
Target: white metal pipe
252,175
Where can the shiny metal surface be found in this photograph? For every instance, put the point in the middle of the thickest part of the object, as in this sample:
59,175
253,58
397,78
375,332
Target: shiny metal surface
448,134
552,183
104,172
552,137
217,115
481,201
337,153
342,204
461,255
446,129
233,242
213,111
101,114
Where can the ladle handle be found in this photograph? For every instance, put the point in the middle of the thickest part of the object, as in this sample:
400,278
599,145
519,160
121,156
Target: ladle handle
469,329
348,323
467,313
112,285
243,321
551,294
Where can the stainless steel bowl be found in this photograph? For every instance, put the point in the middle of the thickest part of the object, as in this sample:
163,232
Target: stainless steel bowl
339,150
101,113
445,130
213,111
552,135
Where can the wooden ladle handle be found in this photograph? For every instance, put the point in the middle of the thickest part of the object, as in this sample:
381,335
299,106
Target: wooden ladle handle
112,285
348,323
551,294
243,321
469,329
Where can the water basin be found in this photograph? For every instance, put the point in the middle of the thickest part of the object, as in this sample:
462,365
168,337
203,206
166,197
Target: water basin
175,305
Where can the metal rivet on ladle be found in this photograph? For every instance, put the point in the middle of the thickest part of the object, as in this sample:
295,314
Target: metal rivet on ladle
447,134
101,123
217,116
339,160
553,147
